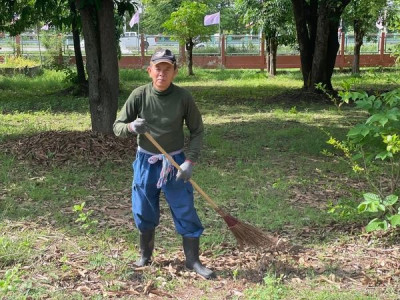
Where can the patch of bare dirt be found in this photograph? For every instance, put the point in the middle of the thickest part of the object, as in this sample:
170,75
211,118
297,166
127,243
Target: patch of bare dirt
63,146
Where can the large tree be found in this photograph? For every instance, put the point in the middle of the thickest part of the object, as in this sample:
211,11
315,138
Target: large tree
272,18
186,26
98,26
317,23
362,16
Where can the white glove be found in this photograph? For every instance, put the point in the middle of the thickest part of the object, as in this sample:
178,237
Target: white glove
139,126
187,170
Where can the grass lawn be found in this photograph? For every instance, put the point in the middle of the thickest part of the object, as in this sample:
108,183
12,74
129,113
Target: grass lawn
262,162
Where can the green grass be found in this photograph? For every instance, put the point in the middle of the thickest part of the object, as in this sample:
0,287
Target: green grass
262,157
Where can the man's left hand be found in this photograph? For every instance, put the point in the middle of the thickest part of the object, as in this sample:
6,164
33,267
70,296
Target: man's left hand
186,171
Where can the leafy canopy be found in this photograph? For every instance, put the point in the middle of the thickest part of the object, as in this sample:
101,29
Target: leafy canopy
156,12
364,13
273,17
186,24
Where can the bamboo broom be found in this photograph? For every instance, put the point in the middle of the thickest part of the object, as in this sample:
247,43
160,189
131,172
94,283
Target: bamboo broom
245,234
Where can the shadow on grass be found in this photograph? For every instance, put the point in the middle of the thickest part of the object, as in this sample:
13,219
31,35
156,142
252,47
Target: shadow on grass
252,166
212,98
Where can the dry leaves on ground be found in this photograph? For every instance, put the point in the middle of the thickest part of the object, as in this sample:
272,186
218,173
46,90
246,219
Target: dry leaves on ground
64,146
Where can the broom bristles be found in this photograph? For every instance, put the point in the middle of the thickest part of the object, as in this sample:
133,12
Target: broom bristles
248,235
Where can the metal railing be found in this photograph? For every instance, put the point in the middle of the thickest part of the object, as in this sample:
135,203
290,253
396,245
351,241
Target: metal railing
234,44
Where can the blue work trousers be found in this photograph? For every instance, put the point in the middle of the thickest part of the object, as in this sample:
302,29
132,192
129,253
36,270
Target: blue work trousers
146,197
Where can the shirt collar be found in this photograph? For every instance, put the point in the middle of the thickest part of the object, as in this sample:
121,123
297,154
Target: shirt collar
163,93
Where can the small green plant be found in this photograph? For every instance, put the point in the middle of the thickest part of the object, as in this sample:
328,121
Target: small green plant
272,289
385,209
322,87
235,274
372,149
396,53
293,110
10,281
342,97
345,209
84,218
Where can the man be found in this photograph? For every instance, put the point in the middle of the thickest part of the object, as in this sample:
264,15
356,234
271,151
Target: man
162,108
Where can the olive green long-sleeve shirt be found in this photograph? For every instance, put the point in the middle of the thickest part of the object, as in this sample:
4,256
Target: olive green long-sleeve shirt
165,113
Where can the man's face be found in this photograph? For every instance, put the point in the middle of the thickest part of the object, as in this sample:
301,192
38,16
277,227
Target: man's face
162,75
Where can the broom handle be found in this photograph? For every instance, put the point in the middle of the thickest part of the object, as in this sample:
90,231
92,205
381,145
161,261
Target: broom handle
172,161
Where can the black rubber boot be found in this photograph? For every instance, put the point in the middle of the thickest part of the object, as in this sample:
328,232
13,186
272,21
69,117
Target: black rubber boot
191,249
146,247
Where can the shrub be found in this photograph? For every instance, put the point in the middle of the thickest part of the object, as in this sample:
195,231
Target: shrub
17,62
372,148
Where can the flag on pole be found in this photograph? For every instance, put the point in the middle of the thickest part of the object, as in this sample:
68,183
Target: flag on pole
135,19
212,19
379,23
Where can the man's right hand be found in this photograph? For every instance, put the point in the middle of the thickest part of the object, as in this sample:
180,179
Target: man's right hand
139,126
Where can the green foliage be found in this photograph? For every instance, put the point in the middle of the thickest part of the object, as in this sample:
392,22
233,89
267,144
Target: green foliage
396,53
157,12
345,209
53,43
372,149
386,209
186,24
244,47
377,137
14,250
16,16
10,281
393,15
272,289
84,218
337,102
364,14
274,18
17,62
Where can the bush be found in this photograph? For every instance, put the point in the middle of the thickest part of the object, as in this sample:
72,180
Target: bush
17,62
372,148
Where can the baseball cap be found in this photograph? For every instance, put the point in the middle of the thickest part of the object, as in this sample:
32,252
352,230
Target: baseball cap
163,55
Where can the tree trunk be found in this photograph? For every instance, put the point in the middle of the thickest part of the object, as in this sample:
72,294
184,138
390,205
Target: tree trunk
60,58
305,18
80,69
272,63
189,48
317,23
268,51
101,63
333,48
358,41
